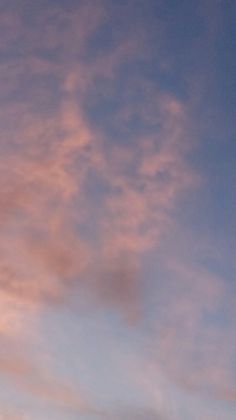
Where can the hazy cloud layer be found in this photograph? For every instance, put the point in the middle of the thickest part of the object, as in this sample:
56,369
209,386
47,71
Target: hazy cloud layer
94,163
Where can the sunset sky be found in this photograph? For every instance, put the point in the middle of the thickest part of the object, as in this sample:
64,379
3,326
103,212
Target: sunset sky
117,210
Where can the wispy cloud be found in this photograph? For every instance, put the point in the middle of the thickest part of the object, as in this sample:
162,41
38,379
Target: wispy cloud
94,158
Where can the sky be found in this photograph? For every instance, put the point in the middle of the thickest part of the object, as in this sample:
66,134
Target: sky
117,210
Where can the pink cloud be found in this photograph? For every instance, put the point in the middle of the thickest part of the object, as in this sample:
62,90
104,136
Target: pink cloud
49,153
193,352
26,376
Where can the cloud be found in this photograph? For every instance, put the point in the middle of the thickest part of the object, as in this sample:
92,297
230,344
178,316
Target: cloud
47,196
193,349
80,208
138,413
22,371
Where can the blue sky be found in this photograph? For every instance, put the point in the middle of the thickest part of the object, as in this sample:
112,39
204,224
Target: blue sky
117,205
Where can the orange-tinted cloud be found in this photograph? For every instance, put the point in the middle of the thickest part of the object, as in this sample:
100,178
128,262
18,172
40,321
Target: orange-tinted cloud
77,209
46,196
